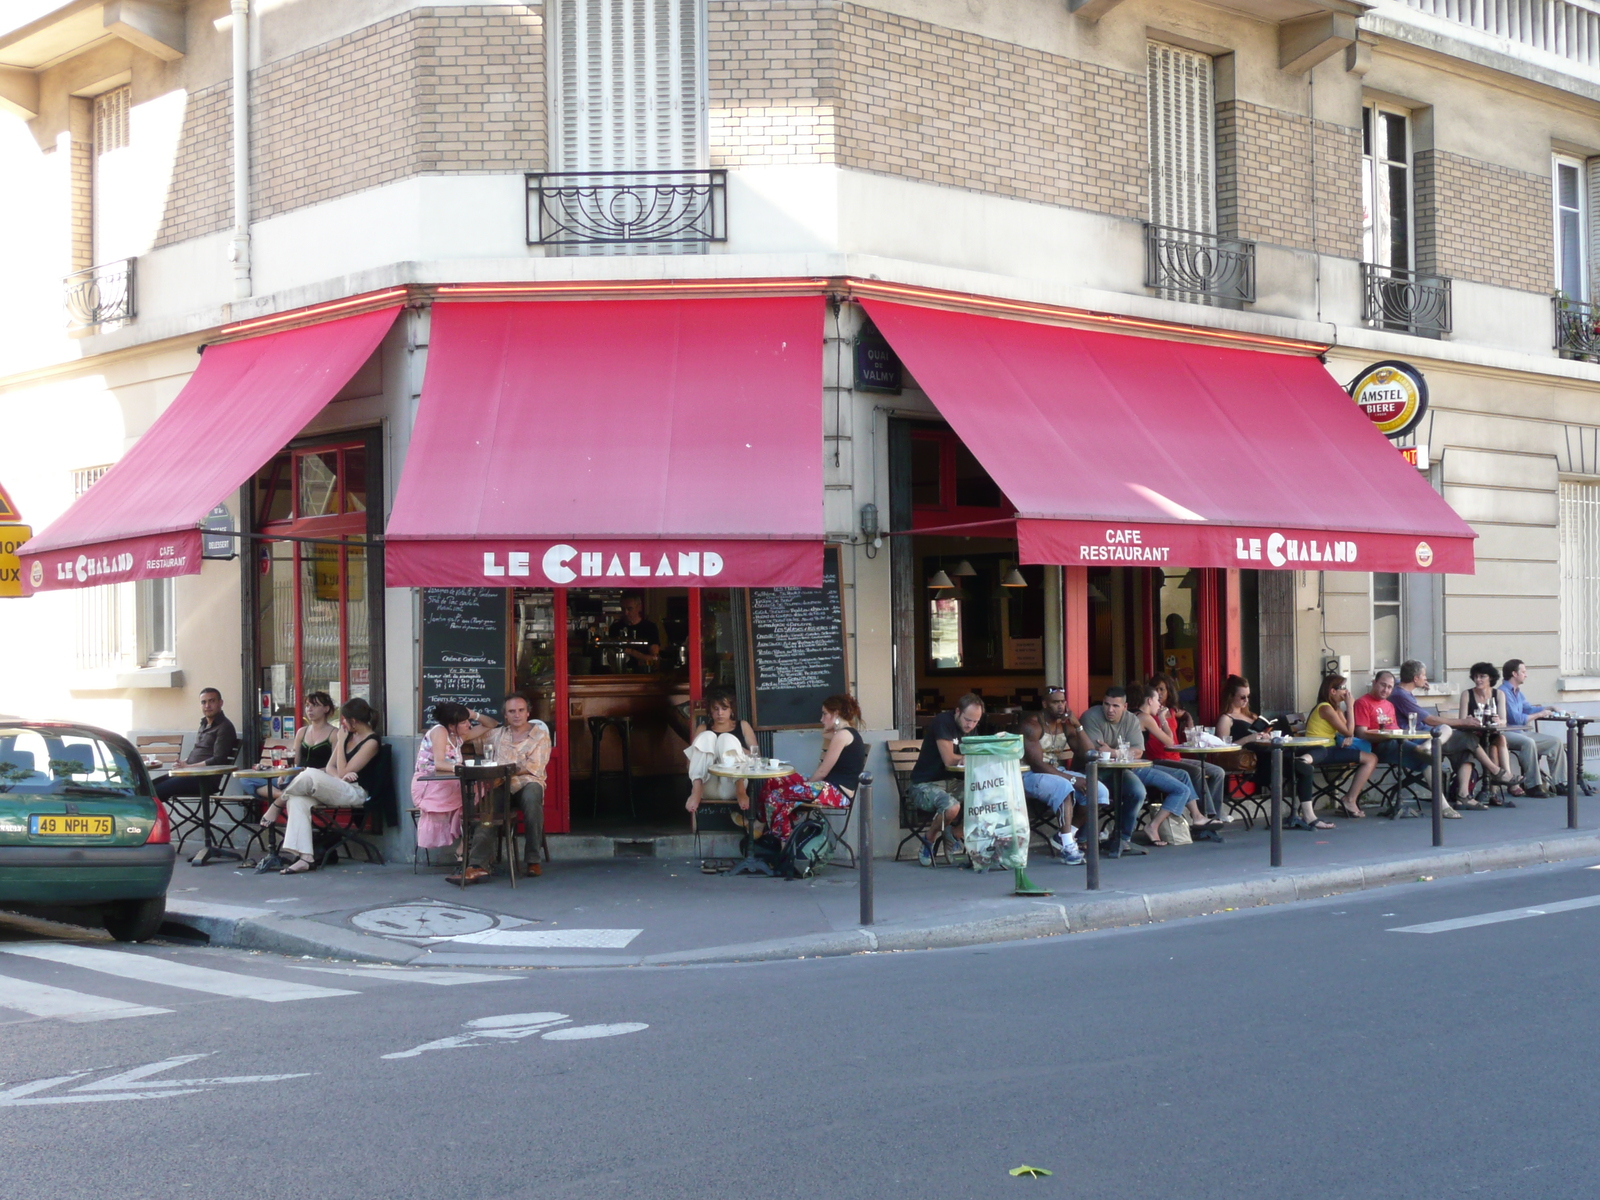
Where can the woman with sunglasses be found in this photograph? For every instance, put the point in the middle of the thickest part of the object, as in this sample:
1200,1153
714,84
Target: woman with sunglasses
1239,724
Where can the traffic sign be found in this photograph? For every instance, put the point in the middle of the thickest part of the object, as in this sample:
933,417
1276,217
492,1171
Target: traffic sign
8,510
11,539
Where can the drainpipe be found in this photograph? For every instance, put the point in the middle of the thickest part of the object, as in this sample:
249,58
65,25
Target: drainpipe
239,247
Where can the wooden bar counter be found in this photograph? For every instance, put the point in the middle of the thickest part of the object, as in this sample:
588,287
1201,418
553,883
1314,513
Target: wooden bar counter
648,699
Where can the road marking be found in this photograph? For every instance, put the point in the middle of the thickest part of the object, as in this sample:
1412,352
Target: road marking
130,965
1495,918
42,1000
127,1085
580,1033
409,975
589,939
516,1026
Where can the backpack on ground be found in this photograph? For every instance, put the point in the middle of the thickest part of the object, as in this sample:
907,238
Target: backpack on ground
809,846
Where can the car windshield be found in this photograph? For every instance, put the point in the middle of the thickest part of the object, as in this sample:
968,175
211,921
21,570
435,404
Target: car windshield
36,762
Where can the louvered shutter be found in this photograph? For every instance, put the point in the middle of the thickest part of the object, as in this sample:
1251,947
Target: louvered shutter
1591,172
1182,116
113,211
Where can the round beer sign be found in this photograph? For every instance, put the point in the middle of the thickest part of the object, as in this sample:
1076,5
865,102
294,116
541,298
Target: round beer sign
1393,394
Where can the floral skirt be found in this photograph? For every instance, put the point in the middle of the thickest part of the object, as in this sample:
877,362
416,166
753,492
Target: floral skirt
780,796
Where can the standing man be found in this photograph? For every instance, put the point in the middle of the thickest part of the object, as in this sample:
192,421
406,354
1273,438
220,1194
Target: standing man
1458,747
634,626
935,783
1045,735
1524,738
214,745
1108,725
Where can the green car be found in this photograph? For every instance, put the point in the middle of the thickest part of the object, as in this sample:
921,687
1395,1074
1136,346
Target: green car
81,828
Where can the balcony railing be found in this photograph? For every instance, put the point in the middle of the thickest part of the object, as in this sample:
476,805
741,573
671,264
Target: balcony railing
1405,301
1188,265
1558,27
619,208
102,295
1577,329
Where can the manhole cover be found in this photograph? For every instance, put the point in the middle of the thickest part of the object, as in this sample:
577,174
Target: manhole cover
422,920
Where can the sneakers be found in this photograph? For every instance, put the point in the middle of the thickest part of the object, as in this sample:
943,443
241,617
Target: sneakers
953,845
1069,850
924,853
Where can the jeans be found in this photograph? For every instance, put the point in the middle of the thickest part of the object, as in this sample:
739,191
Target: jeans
530,799
1530,747
1206,778
1052,790
1172,786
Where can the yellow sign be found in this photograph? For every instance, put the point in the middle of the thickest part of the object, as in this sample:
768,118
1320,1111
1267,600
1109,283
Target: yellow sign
8,510
11,539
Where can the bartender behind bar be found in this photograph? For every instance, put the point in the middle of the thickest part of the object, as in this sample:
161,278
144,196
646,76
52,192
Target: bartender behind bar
634,626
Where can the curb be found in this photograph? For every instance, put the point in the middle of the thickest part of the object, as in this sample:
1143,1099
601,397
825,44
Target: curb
263,929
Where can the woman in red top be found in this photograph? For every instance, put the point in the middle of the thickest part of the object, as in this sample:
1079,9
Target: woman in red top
1207,778
1160,738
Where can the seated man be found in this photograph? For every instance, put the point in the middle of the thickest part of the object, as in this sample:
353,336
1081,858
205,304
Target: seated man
1045,735
1525,739
1375,712
1460,745
935,786
1108,725
215,746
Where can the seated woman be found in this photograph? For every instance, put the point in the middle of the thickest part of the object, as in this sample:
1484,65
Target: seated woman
721,734
438,801
833,783
346,782
312,745
1238,724
1486,703
1207,778
1332,717
1145,704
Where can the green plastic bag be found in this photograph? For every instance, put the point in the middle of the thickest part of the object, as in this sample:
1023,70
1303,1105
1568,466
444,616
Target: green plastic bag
995,812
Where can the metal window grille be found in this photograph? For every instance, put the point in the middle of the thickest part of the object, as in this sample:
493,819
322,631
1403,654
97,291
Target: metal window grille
111,120
1580,578
1569,30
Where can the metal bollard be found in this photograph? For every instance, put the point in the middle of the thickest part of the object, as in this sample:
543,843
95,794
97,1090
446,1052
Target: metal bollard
1277,805
1574,769
1091,866
1437,741
863,803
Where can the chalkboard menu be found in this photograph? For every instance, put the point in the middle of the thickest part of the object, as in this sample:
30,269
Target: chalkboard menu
464,648
797,651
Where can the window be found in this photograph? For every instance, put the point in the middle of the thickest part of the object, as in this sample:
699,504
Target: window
113,213
1580,577
1386,187
1386,635
1182,118
1571,252
627,85
121,626
947,479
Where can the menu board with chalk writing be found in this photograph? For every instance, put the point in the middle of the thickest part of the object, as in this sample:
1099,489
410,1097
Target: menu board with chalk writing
797,649
464,648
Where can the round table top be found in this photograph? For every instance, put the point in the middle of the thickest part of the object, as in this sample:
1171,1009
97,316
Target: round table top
268,772
199,769
1397,735
961,768
438,777
1103,763
1293,742
1182,748
777,772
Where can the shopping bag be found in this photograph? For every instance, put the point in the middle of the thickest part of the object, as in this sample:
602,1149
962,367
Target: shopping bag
995,812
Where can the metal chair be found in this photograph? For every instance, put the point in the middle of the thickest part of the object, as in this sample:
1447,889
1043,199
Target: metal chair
623,724
902,758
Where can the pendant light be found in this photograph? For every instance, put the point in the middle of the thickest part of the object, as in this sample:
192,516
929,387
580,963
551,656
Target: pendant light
940,580
1013,579
964,570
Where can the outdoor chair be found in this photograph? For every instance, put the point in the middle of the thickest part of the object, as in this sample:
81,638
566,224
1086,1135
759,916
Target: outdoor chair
902,758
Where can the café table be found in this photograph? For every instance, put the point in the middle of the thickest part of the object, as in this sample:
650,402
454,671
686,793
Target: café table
1396,808
1096,764
750,864
1575,779
266,775
471,776
1185,750
209,780
1277,746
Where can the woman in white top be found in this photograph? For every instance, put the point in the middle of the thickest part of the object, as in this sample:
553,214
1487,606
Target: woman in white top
721,734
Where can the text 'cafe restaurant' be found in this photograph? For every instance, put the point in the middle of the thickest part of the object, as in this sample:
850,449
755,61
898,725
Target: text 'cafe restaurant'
614,499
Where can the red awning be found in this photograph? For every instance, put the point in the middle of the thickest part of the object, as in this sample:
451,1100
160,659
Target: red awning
1132,451
243,403
620,443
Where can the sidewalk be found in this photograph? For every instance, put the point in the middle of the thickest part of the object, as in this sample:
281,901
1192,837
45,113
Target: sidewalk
649,911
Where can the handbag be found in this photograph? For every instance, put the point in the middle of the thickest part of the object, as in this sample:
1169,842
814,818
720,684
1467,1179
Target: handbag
1175,831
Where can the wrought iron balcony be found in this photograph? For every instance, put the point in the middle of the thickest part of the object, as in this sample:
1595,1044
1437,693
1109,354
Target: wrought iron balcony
1577,329
102,295
1405,301
1188,265
620,208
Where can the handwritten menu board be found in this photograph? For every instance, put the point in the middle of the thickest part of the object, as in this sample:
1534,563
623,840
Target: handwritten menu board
464,648
797,649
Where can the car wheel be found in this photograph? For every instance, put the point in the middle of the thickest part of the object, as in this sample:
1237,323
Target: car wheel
135,920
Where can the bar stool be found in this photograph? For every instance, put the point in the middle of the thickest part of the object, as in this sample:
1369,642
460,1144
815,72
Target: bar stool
597,730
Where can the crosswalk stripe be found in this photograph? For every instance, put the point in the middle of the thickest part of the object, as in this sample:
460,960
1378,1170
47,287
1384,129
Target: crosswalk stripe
1506,914
408,975
131,965
42,1000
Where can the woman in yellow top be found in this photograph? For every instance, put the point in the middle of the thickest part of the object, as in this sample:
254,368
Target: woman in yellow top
1331,718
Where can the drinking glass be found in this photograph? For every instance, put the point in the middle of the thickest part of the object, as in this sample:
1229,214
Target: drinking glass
1411,722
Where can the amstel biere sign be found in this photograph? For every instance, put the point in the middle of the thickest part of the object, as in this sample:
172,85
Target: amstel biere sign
1393,394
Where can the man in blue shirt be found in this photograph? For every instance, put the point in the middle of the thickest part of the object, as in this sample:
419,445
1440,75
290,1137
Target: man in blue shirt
1524,737
1459,746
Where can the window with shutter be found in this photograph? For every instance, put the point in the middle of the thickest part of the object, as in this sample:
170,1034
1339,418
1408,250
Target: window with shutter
1386,187
1182,117
112,231
1571,237
1580,577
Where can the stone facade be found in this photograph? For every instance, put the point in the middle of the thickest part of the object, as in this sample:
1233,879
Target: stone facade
80,187
1482,222
770,70
1265,180
433,91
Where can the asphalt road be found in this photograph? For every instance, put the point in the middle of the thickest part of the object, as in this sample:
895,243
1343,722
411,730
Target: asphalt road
1296,1051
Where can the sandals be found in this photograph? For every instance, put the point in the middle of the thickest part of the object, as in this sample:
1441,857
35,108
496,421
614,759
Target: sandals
1309,826
1355,814
298,867
268,821
1468,802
